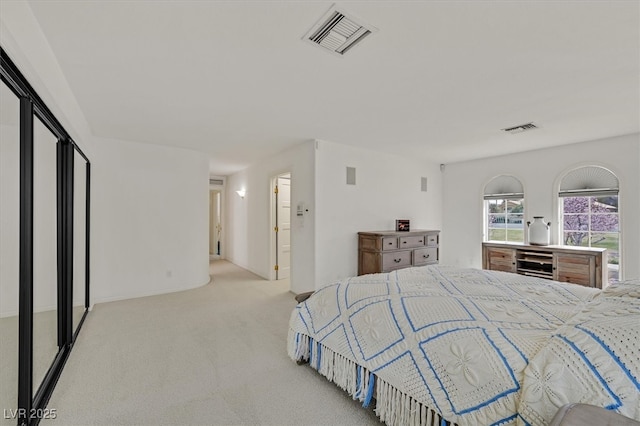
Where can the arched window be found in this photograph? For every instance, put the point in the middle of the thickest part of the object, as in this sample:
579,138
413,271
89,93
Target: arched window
504,209
589,210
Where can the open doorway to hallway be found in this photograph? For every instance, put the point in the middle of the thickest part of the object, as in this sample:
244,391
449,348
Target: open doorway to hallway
281,221
216,198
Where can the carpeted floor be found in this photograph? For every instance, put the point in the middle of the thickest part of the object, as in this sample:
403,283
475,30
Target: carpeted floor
215,355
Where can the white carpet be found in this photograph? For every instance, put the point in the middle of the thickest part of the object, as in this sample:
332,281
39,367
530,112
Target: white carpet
215,355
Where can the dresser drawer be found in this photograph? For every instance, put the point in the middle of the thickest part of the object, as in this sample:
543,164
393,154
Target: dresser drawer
395,260
385,251
389,243
425,256
411,242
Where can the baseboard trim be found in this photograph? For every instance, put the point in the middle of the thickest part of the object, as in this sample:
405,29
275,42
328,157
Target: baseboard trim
146,294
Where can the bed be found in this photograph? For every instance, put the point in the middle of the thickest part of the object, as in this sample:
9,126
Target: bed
439,345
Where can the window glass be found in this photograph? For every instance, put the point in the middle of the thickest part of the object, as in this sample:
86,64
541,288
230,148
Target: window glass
590,221
505,219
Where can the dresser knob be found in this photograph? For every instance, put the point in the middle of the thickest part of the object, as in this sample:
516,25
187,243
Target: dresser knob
397,260
426,256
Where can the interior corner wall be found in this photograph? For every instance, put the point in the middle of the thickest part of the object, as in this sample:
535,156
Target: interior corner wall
248,220
388,187
149,220
539,171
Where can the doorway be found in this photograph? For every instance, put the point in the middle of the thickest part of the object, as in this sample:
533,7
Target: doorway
282,225
215,224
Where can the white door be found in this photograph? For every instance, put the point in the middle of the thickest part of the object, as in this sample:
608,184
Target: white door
283,226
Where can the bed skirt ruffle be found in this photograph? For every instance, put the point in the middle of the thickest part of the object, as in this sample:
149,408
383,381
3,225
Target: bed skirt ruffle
392,406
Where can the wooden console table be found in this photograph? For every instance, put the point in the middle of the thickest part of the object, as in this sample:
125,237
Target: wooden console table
578,265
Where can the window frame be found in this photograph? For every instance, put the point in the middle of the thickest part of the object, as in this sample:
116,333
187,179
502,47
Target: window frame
593,189
590,232
507,215
507,188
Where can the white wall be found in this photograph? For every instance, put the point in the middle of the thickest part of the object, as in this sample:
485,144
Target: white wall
324,241
539,171
149,220
248,220
387,188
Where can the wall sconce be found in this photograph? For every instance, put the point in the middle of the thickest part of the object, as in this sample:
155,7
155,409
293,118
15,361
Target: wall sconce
241,193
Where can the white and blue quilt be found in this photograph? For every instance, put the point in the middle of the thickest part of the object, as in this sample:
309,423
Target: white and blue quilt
444,345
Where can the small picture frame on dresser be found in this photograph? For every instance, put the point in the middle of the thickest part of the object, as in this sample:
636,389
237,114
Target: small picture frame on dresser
402,225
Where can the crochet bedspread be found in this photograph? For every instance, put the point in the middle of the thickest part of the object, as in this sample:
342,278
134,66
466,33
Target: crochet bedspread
470,345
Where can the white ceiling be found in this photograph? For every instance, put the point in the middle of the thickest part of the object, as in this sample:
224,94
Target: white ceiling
437,81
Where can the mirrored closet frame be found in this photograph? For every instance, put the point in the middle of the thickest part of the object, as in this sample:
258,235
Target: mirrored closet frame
31,404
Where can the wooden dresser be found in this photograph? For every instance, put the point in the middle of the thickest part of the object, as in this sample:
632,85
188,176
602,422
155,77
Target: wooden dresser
578,265
384,251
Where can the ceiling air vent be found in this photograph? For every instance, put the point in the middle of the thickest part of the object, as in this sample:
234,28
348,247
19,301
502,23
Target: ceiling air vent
338,32
521,128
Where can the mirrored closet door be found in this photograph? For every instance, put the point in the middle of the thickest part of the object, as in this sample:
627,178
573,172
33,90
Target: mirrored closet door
9,257
80,300
45,260
44,254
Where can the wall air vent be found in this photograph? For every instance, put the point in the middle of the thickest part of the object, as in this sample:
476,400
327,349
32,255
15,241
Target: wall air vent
521,128
216,181
337,32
